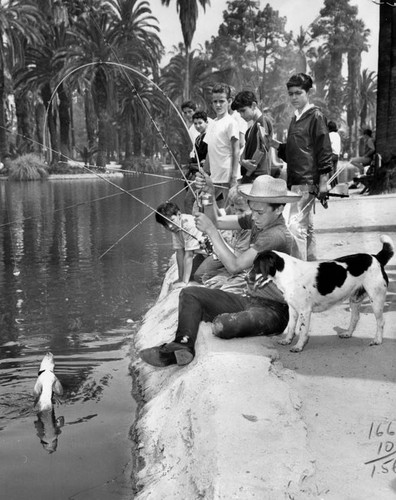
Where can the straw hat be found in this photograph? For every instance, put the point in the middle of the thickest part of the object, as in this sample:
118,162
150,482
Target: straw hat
267,189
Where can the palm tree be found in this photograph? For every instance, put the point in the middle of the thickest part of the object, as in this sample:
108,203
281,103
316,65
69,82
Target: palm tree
200,77
116,31
188,15
19,22
368,97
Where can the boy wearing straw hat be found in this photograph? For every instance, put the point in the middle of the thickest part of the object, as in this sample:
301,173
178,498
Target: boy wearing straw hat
250,312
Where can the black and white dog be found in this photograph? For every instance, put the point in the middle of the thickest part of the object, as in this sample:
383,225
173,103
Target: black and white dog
316,286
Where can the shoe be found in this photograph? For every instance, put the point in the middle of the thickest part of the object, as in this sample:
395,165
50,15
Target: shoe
183,354
353,186
156,357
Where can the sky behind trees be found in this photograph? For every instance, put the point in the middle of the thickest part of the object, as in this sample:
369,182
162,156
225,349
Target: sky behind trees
298,13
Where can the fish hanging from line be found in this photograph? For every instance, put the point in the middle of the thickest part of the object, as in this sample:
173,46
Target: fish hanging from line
47,384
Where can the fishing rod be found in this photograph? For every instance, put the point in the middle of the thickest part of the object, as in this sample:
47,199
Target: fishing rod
124,67
97,174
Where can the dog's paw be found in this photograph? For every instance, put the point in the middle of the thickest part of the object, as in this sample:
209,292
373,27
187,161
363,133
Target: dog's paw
344,335
296,348
284,341
376,342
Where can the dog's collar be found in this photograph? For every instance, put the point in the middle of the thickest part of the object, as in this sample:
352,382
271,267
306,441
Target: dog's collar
42,371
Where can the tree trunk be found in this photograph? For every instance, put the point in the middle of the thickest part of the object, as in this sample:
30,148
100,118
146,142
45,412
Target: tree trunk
386,93
25,123
90,120
4,153
39,117
64,122
100,93
53,147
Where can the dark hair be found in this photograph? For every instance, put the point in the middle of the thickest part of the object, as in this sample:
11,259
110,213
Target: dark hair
200,115
222,88
300,80
242,99
368,131
332,126
165,211
188,104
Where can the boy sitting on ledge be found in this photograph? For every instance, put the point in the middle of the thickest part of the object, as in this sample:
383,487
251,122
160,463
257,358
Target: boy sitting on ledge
255,312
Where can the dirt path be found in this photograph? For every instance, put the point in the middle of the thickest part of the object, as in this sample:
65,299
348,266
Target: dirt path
348,388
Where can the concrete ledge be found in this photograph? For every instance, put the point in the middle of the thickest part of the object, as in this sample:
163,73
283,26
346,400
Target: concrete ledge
227,426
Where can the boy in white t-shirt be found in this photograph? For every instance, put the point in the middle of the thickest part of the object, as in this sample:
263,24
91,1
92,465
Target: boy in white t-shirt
222,138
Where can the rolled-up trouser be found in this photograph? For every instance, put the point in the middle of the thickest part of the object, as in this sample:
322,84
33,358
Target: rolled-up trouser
301,222
232,315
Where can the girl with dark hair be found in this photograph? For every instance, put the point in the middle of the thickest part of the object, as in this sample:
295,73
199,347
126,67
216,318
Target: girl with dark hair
308,155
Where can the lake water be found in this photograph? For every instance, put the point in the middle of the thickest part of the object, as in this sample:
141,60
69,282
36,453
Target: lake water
58,292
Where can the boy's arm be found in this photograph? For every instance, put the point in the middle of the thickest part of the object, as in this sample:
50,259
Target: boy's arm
180,262
231,262
187,266
234,161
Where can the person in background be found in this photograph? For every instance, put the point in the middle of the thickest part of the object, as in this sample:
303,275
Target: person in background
242,125
335,140
360,162
238,240
256,156
186,240
200,122
188,109
308,155
222,138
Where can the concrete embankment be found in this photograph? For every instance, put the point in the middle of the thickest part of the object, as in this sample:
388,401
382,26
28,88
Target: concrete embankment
227,426
247,419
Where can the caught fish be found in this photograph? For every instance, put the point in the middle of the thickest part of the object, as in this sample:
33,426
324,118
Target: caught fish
47,384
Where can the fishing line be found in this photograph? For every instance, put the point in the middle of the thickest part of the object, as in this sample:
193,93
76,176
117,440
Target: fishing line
82,203
135,226
148,111
97,174
123,67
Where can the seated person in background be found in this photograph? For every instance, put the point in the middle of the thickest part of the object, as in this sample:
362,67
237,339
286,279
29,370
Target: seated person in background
368,152
200,121
256,156
335,140
185,240
237,240
260,311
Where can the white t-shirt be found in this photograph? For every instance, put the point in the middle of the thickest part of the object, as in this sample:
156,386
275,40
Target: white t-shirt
218,138
183,240
335,140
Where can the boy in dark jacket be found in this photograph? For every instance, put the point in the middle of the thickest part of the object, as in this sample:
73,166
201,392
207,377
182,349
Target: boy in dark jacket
256,158
308,155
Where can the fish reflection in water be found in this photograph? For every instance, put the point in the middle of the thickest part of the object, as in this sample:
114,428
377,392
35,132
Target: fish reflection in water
48,428
46,386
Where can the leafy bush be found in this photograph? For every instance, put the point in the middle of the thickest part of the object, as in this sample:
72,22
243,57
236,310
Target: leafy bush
62,167
28,167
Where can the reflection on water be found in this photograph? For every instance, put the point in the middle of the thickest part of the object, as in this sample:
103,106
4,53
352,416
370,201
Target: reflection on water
48,428
57,294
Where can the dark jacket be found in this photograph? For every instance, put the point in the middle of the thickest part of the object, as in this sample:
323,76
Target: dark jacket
307,151
257,147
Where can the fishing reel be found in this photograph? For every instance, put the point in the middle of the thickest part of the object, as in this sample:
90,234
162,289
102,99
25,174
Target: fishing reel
206,245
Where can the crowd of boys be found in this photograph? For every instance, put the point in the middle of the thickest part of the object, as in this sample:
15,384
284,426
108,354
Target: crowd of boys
236,168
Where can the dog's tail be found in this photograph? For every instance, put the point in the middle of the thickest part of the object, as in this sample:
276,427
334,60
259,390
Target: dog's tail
387,251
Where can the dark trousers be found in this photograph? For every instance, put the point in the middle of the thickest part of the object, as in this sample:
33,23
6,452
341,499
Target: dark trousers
232,315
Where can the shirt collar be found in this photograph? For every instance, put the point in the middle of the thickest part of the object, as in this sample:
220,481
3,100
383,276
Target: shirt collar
305,108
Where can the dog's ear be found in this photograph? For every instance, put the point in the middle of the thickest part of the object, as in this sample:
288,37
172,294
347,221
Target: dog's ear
269,263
